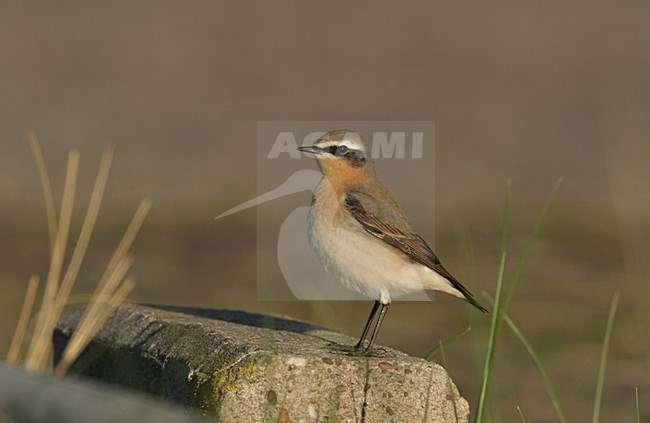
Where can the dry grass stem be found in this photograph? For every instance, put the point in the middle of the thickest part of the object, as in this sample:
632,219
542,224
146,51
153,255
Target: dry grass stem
91,325
13,356
112,288
87,229
40,347
50,208
104,292
109,293
127,239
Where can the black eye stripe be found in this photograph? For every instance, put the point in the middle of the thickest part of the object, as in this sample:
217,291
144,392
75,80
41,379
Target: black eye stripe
339,150
356,157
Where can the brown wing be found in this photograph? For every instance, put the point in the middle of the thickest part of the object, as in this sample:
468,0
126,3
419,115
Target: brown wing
394,229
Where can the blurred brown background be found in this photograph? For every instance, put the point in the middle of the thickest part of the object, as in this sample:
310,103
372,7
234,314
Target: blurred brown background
526,93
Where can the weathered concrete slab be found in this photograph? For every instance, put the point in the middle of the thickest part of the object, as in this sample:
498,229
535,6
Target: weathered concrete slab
254,368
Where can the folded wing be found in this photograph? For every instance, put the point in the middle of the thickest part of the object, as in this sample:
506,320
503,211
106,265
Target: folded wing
395,230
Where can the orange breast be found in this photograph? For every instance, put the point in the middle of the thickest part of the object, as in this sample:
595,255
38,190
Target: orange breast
342,175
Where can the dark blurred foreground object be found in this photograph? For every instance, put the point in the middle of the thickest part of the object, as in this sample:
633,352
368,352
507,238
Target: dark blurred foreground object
240,366
29,397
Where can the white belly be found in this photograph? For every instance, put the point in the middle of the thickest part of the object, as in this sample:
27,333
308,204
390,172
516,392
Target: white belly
363,262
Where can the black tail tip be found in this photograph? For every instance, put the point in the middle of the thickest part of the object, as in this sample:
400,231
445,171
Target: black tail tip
477,305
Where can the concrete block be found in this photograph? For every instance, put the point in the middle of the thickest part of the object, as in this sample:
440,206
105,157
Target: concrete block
247,367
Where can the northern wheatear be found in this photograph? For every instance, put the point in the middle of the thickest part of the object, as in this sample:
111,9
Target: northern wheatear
360,233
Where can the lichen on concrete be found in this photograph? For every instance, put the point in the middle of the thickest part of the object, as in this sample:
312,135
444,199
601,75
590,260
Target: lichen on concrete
230,364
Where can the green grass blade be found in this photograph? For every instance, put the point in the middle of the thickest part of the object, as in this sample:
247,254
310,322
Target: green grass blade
638,415
527,248
538,363
504,221
430,354
603,357
497,320
523,419
489,356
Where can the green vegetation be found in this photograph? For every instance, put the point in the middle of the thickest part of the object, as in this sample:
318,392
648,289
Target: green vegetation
500,315
603,358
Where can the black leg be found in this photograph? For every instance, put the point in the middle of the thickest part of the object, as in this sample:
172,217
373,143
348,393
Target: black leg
365,330
380,319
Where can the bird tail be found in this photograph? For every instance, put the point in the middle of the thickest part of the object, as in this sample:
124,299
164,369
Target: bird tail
441,280
467,296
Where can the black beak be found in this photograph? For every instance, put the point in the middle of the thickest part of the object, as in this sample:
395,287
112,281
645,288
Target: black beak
312,149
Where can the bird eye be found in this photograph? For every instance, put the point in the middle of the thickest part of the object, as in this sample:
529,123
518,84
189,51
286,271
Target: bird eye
342,150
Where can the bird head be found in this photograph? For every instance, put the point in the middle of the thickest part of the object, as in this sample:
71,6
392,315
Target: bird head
341,152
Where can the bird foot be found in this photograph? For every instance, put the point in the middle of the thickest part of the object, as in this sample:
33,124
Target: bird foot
362,348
